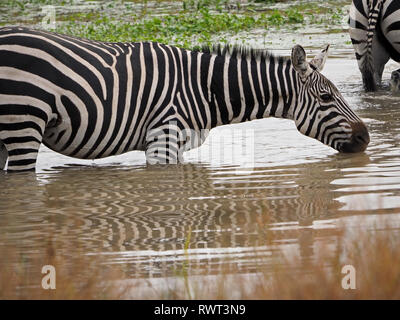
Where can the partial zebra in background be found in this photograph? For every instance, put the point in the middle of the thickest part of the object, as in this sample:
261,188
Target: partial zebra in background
90,99
375,34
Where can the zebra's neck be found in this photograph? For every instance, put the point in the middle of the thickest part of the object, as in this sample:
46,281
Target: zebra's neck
245,87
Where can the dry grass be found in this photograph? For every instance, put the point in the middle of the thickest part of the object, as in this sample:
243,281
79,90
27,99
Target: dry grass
21,278
374,254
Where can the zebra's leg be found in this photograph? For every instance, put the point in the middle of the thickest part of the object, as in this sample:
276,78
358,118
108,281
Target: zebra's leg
21,131
161,150
380,56
21,139
3,156
395,81
162,145
22,152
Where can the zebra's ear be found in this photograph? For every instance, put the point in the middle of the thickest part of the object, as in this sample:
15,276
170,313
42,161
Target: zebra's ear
319,60
299,61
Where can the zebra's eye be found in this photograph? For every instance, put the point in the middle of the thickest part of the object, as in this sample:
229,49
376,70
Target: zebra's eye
326,97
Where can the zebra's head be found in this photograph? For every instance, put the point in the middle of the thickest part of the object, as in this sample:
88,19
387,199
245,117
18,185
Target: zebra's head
322,113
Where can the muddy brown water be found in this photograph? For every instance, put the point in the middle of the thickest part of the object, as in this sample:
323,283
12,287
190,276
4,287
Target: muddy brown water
300,190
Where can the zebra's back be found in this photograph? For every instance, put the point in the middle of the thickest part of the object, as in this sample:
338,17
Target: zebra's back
95,99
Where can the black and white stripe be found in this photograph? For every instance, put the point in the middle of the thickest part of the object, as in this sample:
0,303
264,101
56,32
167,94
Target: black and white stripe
375,34
90,99
136,214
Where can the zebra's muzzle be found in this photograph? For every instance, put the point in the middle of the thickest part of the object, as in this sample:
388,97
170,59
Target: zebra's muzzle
359,139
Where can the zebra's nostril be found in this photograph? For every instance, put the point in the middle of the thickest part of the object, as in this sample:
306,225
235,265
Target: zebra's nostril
359,139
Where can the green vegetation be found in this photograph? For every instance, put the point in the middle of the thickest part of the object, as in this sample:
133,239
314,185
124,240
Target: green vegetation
183,28
185,23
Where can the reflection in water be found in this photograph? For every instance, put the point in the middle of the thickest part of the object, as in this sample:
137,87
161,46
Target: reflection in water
142,217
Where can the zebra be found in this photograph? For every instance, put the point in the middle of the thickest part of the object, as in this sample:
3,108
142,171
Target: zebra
374,27
89,99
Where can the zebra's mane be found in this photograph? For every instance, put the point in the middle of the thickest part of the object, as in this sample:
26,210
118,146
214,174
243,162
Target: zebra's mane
240,51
